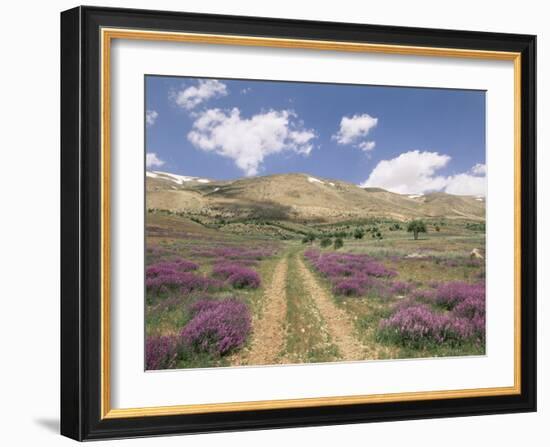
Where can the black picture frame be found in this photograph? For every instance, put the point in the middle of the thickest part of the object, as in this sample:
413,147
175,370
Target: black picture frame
81,210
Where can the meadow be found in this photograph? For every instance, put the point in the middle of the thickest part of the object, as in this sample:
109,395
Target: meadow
261,291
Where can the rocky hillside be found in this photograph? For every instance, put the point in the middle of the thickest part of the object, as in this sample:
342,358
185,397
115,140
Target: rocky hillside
300,197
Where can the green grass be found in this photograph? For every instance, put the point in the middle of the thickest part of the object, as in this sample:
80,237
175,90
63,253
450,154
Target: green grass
307,339
179,236
432,349
365,312
453,243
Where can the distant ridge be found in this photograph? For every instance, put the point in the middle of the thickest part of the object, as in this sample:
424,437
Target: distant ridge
300,196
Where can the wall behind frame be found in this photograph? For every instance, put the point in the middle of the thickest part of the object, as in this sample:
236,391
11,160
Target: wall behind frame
29,236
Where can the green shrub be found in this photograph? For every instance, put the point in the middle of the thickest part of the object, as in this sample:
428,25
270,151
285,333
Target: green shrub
358,233
395,227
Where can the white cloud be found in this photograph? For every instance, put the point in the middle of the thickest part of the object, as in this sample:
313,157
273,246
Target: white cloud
472,183
190,97
246,90
151,117
366,146
466,185
415,172
247,141
409,173
152,161
355,128
479,169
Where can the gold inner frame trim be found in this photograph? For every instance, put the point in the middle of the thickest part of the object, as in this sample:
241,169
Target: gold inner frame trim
107,35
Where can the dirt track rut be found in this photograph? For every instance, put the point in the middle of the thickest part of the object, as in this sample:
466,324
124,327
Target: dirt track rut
268,337
340,327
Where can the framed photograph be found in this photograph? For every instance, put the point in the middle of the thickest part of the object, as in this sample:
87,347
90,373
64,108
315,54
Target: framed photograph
275,223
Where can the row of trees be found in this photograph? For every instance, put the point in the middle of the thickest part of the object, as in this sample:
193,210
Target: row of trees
324,242
415,227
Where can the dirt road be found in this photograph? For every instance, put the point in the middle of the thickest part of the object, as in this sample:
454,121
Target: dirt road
339,325
268,335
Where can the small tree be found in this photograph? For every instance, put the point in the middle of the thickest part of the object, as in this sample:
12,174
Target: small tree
338,243
358,233
437,228
326,241
308,238
416,226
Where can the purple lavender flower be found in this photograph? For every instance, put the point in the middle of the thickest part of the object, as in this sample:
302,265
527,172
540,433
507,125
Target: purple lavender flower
347,264
170,267
217,327
160,352
473,310
184,282
450,294
351,274
348,287
418,324
244,279
471,306
237,275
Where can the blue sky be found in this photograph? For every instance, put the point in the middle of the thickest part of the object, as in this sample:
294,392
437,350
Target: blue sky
408,140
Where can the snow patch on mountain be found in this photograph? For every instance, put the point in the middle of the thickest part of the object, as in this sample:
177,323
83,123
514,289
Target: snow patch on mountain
179,179
315,180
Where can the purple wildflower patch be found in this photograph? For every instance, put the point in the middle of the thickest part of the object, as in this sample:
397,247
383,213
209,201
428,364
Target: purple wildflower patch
184,282
418,325
160,352
217,327
414,323
450,294
245,279
237,275
349,287
352,274
170,267
178,275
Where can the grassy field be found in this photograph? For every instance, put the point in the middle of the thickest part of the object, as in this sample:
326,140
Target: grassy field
263,291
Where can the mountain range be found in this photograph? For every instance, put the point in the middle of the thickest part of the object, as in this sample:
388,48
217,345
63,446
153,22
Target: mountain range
300,197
